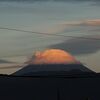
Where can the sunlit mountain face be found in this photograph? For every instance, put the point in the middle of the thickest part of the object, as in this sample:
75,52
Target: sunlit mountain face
53,56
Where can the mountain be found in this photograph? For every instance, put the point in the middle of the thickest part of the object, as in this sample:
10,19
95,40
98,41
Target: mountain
53,69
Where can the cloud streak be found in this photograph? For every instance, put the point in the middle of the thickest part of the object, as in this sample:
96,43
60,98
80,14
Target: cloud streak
4,61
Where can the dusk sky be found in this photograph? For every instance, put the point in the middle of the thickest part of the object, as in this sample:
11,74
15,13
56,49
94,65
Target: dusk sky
53,17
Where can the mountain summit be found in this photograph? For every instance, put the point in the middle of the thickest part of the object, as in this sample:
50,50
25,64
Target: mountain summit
53,62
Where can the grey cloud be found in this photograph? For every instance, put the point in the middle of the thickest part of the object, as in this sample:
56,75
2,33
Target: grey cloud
79,46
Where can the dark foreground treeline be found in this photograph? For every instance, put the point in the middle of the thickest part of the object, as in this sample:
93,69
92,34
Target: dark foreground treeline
75,87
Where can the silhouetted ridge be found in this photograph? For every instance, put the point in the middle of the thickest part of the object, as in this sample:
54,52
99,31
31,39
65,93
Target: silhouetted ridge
53,69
